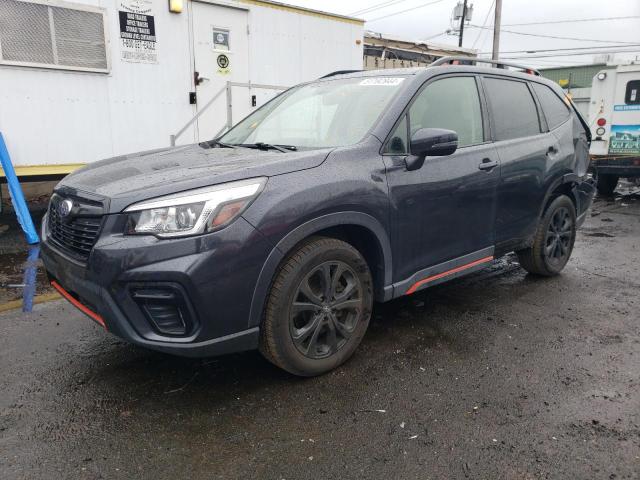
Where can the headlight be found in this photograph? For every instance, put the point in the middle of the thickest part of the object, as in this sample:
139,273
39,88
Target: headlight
192,212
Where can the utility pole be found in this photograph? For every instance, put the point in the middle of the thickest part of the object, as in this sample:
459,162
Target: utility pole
496,30
462,18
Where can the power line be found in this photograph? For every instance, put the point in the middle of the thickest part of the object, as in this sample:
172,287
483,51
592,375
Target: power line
433,36
484,23
404,11
555,36
630,17
377,6
569,54
536,50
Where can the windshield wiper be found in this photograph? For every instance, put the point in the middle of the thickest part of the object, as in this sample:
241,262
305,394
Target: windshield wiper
269,146
213,143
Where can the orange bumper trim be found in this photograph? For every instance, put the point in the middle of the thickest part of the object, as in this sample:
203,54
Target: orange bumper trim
90,313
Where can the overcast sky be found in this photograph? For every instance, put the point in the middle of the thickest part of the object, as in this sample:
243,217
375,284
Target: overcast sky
431,20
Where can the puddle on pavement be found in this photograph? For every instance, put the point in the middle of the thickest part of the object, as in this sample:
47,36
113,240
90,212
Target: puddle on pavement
22,277
21,270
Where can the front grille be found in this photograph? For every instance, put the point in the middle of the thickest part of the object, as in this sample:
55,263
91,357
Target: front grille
75,236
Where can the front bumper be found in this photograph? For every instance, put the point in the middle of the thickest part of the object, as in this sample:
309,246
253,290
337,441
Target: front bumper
215,273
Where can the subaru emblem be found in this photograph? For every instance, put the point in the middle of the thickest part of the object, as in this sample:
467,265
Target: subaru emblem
64,208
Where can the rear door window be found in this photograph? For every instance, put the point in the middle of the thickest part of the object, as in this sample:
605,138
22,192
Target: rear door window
513,109
555,110
632,95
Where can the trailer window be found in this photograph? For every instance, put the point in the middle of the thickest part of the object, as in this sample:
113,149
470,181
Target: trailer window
555,110
632,95
41,35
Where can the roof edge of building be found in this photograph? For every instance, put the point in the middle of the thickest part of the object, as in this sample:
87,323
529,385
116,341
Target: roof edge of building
305,11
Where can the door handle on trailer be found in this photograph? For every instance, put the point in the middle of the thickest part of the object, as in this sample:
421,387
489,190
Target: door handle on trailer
487,164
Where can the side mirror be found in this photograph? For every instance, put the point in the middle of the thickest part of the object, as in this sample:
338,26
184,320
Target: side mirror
435,142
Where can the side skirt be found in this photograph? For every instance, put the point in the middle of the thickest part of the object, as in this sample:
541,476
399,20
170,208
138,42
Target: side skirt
444,271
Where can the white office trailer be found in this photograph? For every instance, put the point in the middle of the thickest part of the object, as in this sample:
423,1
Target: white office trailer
94,79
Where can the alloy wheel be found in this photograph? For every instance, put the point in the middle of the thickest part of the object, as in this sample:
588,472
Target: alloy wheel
559,237
326,309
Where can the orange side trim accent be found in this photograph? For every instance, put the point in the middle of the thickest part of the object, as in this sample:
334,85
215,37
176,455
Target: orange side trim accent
97,318
419,283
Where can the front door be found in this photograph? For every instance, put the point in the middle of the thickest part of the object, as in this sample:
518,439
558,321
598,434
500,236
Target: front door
221,55
445,211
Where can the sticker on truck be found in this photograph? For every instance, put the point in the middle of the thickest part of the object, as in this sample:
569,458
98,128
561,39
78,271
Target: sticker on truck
625,139
625,108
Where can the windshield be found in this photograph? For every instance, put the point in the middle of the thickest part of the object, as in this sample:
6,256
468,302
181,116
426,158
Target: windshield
325,114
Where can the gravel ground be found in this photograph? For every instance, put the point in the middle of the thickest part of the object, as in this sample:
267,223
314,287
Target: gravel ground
495,375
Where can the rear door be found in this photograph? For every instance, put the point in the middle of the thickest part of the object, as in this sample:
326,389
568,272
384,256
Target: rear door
524,152
625,122
445,210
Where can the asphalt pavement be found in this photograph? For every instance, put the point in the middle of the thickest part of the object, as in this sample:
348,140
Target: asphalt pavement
498,375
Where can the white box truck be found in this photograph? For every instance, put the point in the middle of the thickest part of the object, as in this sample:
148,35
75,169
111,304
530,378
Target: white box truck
614,118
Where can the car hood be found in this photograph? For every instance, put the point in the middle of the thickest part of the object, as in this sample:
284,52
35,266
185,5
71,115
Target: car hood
126,179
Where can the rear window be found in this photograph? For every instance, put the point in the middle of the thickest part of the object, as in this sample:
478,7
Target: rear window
555,110
513,110
632,95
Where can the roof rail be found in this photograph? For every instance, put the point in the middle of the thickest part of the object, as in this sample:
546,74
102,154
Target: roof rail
340,72
474,60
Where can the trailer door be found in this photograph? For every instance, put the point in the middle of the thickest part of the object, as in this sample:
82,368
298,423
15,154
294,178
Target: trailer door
221,55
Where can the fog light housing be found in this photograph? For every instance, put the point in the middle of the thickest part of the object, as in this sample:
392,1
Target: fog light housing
166,309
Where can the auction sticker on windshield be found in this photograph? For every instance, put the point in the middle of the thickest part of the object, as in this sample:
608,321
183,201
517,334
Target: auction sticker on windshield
389,81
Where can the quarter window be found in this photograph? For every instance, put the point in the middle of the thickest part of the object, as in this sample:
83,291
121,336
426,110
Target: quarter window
398,144
451,103
555,110
513,110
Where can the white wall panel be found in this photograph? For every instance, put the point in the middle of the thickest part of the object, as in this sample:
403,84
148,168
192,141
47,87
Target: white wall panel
62,117
54,117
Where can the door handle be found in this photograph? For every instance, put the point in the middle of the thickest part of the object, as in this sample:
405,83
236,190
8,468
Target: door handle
552,150
487,164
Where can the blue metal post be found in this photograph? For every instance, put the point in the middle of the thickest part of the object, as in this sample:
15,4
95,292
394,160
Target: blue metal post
17,197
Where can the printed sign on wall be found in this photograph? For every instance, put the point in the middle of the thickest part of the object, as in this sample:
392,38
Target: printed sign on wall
137,31
625,139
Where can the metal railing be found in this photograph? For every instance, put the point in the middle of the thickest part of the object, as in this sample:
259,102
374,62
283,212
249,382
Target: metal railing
228,89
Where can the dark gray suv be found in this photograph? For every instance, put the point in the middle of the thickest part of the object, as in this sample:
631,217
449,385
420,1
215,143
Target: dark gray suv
354,188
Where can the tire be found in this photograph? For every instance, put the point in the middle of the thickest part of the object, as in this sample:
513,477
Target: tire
553,240
330,317
606,183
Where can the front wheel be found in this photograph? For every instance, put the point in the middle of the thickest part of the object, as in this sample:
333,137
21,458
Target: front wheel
553,240
318,308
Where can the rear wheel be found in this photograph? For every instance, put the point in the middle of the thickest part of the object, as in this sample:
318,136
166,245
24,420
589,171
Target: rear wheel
318,308
606,183
553,240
